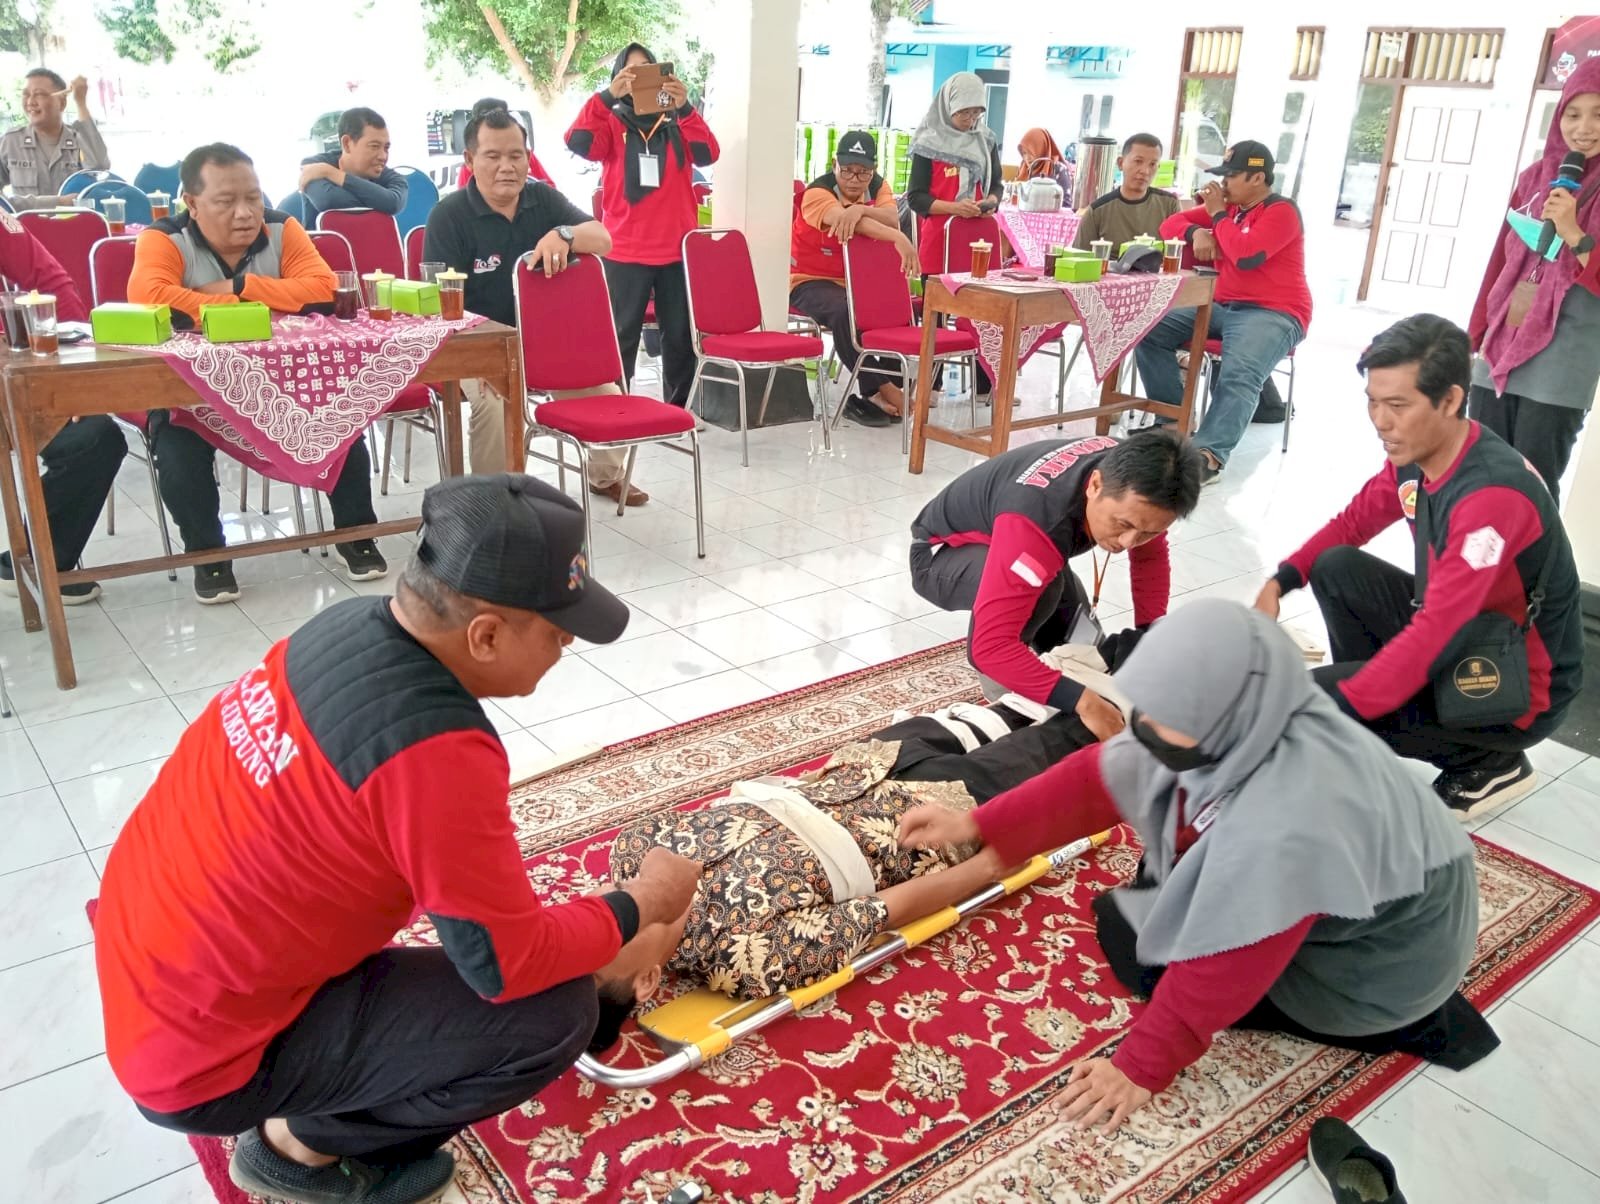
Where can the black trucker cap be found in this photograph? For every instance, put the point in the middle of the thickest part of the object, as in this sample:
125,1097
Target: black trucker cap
1243,156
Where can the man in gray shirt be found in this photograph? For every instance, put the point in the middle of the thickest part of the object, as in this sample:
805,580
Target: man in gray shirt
357,175
36,159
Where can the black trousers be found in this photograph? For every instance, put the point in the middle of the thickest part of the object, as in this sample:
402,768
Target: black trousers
1365,603
392,1059
186,468
1542,432
1454,1035
949,578
929,752
824,302
632,285
80,465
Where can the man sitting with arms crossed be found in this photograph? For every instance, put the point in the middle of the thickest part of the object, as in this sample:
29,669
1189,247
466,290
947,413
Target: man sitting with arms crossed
852,199
1494,530
1263,304
345,784
997,539
357,175
483,229
226,248
1133,208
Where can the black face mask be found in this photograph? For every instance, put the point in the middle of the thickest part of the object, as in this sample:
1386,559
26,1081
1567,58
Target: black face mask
1173,756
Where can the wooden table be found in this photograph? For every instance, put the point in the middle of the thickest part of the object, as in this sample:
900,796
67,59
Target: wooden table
44,393
1013,305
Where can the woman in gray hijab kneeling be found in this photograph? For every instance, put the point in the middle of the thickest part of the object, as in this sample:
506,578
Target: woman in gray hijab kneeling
1295,877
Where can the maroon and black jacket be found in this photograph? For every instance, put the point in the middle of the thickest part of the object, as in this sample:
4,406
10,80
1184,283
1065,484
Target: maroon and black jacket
1027,504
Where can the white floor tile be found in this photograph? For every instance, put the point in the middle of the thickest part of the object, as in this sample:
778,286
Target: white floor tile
896,596
1541,1080
1561,812
723,552
55,1001
791,537
573,685
886,643
834,615
750,636
104,682
150,626
1545,852
638,570
36,829
43,906
86,1140
690,601
1566,989
707,695
100,803
524,751
805,502
655,662
71,748
795,669
847,565
610,724
293,597
20,768
1584,773
187,1186
209,661
771,581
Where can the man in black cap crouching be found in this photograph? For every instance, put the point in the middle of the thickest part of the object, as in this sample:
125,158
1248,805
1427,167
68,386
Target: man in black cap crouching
338,789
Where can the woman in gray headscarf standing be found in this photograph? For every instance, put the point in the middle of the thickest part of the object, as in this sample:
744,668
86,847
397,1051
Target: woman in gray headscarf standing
1295,877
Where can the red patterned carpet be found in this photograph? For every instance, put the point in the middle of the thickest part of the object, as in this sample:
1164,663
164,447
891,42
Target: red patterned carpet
934,1077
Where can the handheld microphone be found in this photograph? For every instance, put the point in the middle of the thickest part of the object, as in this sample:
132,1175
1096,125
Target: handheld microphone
1567,177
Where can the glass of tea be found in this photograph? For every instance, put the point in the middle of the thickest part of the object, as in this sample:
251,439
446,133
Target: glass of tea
452,294
39,311
346,296
980,259
16,326
160,206
1172,256
377,286
116,211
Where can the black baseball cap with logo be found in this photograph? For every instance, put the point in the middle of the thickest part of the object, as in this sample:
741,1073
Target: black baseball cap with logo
1243,156
858,148
512,540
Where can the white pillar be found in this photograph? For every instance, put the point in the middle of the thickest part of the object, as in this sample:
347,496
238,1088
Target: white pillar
754,114
1580,508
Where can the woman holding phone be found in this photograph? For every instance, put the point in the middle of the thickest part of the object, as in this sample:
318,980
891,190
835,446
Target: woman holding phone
955,171
647,194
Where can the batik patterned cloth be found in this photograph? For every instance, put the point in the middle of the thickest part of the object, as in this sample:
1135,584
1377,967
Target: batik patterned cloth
290,407
1032,233
765,919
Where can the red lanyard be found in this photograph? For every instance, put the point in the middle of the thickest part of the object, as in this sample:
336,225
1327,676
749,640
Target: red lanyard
646,137
1099,578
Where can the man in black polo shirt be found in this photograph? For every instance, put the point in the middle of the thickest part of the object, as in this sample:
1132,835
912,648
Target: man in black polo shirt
482,230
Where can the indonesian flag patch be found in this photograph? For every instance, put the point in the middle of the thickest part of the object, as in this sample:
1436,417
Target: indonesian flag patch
1029,569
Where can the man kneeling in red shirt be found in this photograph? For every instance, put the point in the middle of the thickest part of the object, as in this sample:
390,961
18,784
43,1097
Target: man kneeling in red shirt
344,785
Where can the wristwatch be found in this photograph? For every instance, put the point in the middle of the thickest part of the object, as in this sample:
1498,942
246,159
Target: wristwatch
566,234
1583,246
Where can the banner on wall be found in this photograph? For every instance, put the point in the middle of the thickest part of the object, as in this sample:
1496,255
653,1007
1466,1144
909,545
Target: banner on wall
1575,41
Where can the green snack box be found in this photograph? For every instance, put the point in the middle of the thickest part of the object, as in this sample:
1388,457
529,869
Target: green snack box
1141,241
125,322
243,322
414,296
1078,268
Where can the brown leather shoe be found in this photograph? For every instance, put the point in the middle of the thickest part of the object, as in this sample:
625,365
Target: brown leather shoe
636,496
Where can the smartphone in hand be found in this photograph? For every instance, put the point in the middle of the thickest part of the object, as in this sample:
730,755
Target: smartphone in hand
989,204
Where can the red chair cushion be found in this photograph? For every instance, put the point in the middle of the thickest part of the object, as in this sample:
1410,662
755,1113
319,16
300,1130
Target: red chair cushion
138,418
650,312
411,398
607,417
762,346
907,340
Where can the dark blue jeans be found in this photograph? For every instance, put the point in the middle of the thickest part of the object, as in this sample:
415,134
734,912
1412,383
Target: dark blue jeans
1254,340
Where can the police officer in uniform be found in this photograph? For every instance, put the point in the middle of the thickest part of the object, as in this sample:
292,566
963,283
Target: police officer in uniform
37,159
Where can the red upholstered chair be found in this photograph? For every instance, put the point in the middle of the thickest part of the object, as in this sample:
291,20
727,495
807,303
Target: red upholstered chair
416,406
725,318
959,235
799,191
881,316
569,344
110,265
597,204
416,237
373,237
1214,364
68,234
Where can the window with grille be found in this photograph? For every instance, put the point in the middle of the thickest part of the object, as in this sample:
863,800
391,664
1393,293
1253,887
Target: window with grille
1463,58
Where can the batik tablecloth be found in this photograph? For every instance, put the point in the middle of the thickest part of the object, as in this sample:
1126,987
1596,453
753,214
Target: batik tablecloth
291,406
1031,232
1115,312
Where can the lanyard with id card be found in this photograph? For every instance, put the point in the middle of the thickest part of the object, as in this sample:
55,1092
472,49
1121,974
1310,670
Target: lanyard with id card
1085,627
649,161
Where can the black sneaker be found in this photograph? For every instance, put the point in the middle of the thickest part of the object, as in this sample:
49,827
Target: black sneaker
1471,792
1352,1171
257,1168
1270,407
362,560
214,583
864,413
71,595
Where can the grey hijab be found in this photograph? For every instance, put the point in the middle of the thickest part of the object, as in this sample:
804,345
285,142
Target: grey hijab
937,137
1316,815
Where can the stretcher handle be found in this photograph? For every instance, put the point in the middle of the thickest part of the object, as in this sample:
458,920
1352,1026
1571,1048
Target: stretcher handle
804,997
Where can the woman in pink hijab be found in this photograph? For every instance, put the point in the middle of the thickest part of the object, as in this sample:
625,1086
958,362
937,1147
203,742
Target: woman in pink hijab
1536,323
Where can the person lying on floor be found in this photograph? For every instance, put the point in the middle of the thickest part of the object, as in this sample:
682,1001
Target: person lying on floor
1296,878
800,873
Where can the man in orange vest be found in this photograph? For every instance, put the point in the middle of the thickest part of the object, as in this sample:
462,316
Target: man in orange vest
851,200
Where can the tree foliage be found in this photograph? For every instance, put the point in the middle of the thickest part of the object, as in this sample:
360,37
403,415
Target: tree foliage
157,31
551,45
25,28
136,33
